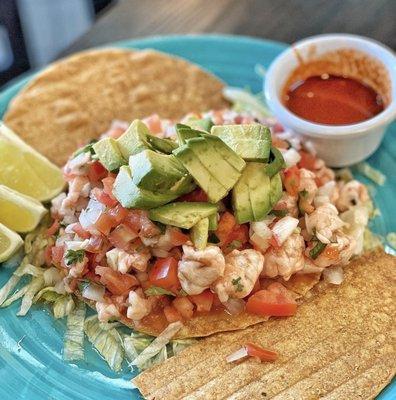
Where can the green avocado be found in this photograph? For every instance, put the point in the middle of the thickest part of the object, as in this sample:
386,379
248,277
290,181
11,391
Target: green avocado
276,162
251,197
131,196
200,232
162,145
250,141
213,222
183,215
184,132
275,189
201,124
134,139
209,184
108,153
156,172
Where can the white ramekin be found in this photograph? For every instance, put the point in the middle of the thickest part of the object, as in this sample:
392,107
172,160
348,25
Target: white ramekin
340,145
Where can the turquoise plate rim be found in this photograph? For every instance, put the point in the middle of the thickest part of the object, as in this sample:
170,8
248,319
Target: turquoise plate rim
94,375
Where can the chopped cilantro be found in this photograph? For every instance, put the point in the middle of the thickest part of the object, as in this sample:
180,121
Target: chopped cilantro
303,194
316,250
237,283
157,291
74,256
88,148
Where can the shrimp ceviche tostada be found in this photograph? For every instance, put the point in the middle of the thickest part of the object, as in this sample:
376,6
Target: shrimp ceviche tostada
210,224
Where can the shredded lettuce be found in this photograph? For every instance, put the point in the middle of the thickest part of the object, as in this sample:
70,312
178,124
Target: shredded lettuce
344,174
180,344
369,172
74,337
63,306
8,288
107,341
391,238
157,345
243,101
17,294
157,359
33,287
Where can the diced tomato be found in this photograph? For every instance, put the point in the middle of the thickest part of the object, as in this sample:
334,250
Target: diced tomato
175,253
57,254
115,130
278,127
96,171
116,282
203,301
292,180
279,143
104,223
104,198
153,123
48,255
259,352
308,161
275,301
197,195
121,236
226,224
108,184
171,314
118,213
164,274
139,221
80,231
184,306
240,233
53,228
177,238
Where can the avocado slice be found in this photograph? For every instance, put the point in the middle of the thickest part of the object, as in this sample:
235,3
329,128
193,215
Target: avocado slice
276,162
251,198
213,222
212,187
184,132
183,215
217,165
200,232
201,124
156,172
275,189
250,141
109,154
162,145
241,201
134,139
131,196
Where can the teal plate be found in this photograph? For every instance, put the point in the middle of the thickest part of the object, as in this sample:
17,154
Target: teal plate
31,365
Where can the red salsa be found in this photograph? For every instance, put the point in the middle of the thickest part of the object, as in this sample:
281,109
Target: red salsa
333,100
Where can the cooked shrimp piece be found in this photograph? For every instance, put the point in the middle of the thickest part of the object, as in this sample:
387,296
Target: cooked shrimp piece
198,269
77,165
106,311
138,307
79,186
242,269
352,194
77,269
324,175
286,260
307,185
289,203
338,252
121,261
328,193
323,222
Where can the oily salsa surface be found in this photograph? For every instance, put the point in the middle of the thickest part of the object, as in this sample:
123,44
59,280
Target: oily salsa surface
332,100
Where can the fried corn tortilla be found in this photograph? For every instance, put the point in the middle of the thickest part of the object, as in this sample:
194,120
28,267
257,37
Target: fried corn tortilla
206,325
340,345
75,99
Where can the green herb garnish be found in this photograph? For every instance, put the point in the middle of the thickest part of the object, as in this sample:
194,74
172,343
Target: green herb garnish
74,256
88,148
157,291
237,283
303,194
317,250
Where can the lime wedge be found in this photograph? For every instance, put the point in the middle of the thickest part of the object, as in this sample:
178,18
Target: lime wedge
25,170
19,212
10,242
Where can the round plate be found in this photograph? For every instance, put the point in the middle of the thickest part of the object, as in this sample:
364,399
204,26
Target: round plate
31,365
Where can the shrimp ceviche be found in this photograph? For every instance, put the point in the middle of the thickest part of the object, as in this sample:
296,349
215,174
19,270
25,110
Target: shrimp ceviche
163,222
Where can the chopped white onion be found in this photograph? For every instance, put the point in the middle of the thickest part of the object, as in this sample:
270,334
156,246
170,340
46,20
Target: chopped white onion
234,306
291,157
237,355
91,214
334,275
261,229
92,291
284,228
